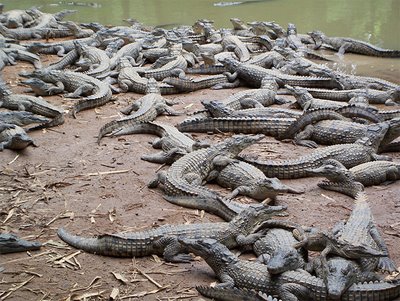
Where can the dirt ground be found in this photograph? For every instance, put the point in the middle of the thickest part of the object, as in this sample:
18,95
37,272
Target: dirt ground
69,181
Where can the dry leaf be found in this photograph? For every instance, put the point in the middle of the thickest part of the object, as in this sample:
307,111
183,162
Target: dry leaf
114,293
92,220
202,213
85,296
9,215
112,214
120,277
156,258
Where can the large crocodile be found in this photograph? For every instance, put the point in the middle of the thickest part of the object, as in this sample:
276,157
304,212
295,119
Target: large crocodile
182,181
78,84
349,155
163,240
343,45
289,286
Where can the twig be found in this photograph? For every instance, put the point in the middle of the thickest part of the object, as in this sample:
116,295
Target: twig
20,259
13,289
13,160
149,278
102,173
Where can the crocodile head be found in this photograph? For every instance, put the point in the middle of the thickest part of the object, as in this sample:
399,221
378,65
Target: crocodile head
270,187
317,36
230,63
339,274
20,141
283,260
214,253
216,108
276,28
393,131
333,170
9,243
234,145
250,218
238,24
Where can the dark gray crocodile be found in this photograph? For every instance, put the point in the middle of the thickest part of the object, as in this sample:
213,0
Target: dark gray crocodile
190,85
147,108
130,80
34,33
245,179
78,84
368,174
182,181
13,137
163,240
289,286
10,243
41,88
21,118
253,75
32,104
276,250
343,45
350,155
173,144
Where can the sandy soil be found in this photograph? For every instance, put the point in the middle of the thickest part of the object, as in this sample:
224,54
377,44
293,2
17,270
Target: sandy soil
69,181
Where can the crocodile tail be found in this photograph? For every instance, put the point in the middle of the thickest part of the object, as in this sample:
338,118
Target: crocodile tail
377,291
352,189
232,294
109,245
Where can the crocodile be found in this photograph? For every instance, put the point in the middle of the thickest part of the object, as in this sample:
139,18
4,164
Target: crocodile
164,239
173,144
387,97
175,68
21,118
253,75
245,179
190,85
146,108
130,50
76,30
343,45
350,154
233,294
15,18
275,249
97,58
32,104
77,84
13,137
289,286
10,243
340,273
34,33
368,174
218,109
22,55
41,88
231,42
182,181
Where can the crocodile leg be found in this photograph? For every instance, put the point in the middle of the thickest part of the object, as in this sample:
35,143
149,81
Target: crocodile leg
82,90
301,137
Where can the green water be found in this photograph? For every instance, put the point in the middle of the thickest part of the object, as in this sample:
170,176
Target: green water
377,21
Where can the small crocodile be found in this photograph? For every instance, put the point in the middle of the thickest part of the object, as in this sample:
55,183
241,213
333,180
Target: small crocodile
275,249
190,85
343,45
21,118
13,137
253,76
368,174
182,181
163,240
245,179
41,88
78,84
10,243
289,286
147,108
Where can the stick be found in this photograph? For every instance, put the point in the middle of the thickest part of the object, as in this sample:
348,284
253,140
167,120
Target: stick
149,278
102,173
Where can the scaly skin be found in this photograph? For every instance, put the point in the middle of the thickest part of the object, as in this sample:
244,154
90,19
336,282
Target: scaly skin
348,154
13,137
163,240
41,88
182,182
34,33
245,179
253,76
185,85
74,82
96,57
21,118
289,286
275,249
129,50
173,144
232,42
173,68
10,243
351,45
147,108
233,294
